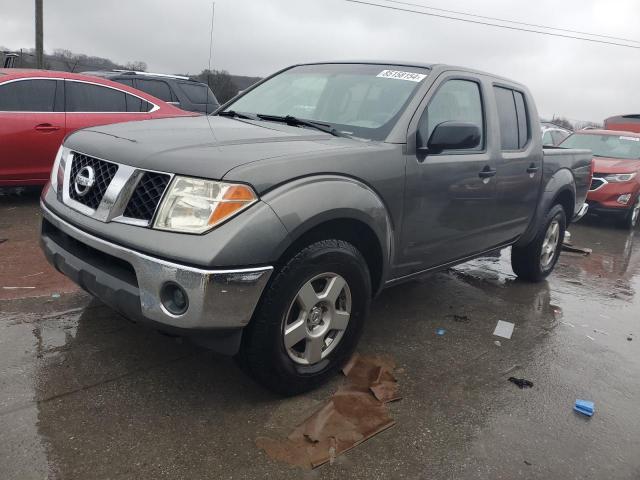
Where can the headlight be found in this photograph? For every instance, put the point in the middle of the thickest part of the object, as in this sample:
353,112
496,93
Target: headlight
57,172
619,177
193,205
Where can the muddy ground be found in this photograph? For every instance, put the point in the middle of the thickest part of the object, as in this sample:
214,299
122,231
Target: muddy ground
86,394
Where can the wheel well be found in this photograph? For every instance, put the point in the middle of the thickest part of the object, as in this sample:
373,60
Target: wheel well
358,233
565,198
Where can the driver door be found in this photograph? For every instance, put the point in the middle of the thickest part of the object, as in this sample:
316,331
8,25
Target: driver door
450,195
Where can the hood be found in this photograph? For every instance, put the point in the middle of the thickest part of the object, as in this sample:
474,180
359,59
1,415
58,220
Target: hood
202,146
615,165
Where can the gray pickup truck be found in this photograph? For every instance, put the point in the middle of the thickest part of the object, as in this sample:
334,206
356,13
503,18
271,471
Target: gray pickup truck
266,229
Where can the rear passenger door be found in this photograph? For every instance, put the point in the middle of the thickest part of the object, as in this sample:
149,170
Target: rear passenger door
519,163
32,127
450,195
90,104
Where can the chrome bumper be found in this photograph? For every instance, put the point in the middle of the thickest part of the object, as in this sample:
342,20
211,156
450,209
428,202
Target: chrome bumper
581,213
218,299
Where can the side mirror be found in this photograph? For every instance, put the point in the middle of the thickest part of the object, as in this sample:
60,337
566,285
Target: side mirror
453,136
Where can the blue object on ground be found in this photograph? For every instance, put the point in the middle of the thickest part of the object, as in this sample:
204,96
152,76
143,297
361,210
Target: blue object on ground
440,331
584,407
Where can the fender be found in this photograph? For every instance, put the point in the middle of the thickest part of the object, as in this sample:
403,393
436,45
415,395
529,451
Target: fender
310,201
561,181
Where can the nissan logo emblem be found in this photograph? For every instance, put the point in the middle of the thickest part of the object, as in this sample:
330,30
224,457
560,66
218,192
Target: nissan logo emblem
85,179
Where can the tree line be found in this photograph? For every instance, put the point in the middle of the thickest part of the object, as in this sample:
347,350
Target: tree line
224,85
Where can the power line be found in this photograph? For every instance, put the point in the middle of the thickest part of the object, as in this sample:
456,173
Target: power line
512,21
507,27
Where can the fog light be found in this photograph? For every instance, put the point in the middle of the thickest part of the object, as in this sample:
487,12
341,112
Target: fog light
174,298
624,199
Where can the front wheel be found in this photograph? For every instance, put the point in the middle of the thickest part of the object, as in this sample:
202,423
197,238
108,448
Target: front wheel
535,261
630,220
309,321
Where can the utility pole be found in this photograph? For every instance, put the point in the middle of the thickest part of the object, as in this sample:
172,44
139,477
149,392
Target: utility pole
39,48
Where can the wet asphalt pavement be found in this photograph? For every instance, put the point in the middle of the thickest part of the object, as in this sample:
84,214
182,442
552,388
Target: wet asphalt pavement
86,394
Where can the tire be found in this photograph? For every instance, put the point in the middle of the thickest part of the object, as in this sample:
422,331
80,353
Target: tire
291,368
630,219
527,261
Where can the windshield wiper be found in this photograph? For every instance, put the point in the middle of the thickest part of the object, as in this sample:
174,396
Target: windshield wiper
298,122
234,114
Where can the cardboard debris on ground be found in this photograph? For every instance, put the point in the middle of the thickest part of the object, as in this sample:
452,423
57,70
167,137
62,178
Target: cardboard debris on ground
355,413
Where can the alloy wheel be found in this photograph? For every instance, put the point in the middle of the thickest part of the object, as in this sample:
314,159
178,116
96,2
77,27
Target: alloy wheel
317,318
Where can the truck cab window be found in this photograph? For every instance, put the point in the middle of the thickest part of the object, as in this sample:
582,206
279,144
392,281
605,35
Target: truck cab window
455,101
514,122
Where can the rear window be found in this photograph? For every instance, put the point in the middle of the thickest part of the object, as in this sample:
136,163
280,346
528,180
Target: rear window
157,88
513,118
197,93
28,96
86,97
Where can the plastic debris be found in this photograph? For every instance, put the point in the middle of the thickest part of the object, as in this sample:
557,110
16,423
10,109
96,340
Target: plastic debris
591,338
504,329
585,407
497,343
441,331
521,382
55,295
629,338
526,462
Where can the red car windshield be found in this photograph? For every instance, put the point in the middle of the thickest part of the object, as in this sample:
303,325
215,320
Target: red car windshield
612,146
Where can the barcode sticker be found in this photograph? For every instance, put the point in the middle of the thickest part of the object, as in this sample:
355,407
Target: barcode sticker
398,75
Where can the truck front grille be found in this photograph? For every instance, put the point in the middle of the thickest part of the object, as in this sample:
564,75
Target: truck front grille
103,174
147,195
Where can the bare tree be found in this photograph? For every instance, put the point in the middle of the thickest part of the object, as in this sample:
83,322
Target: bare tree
137,66
220,82
562,122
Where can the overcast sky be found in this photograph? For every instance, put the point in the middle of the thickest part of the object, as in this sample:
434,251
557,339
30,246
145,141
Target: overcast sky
577,79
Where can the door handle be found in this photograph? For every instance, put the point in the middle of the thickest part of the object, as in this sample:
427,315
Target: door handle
487,172
532,168
47,127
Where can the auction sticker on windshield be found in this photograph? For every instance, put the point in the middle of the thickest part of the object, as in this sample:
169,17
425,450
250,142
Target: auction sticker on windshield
398,75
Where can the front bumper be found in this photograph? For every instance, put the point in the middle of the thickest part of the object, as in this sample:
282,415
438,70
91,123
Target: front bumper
600,209
130,281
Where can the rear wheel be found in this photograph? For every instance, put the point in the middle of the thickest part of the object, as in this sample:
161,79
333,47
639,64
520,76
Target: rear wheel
535,261
310,318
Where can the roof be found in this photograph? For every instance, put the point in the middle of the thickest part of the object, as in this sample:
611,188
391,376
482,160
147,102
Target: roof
117,73
7,74
404,63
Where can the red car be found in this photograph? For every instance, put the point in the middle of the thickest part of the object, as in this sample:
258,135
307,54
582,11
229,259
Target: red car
38,108
628,123
615,187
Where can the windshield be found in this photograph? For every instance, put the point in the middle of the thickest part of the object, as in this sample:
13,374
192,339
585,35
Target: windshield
612,146
359,100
